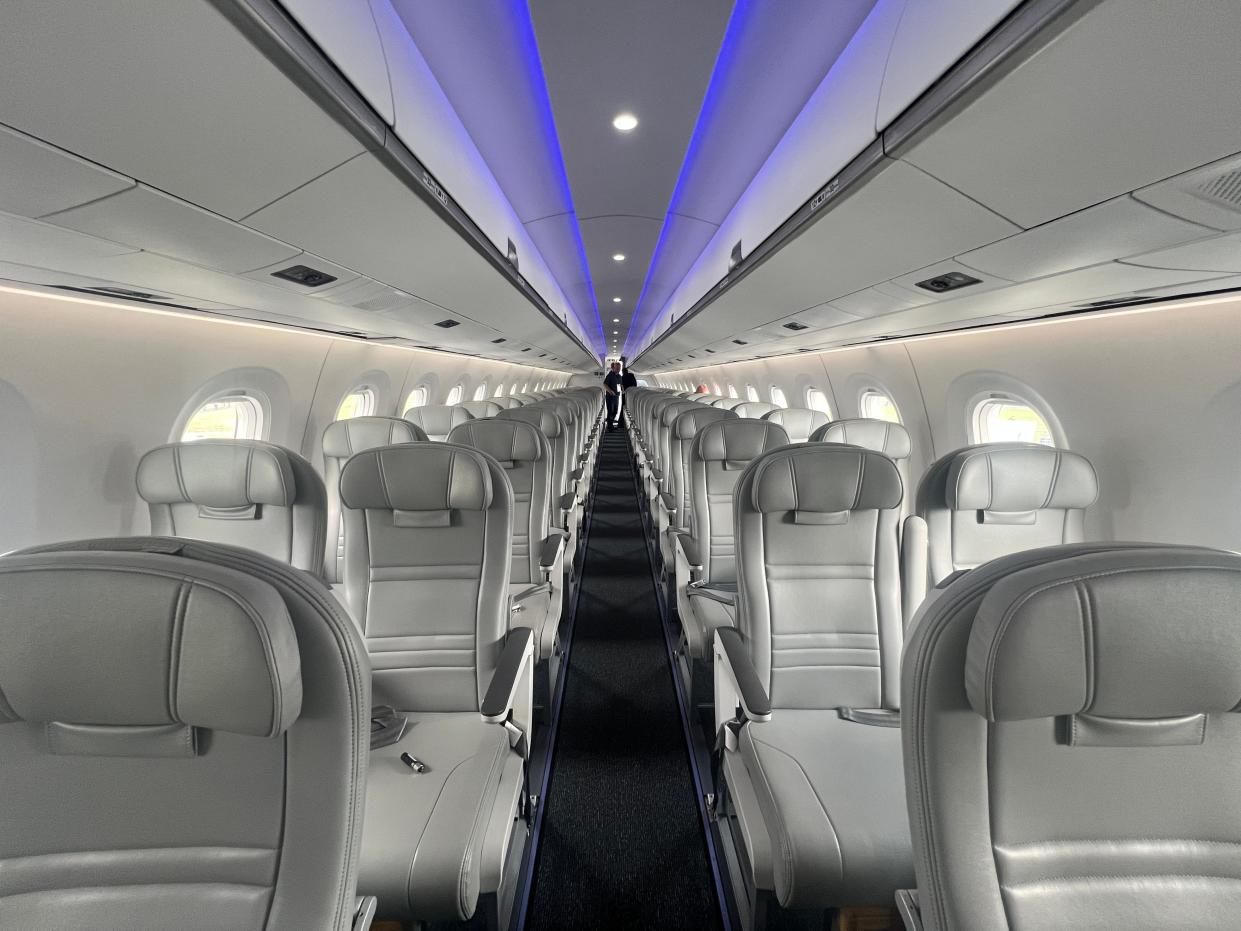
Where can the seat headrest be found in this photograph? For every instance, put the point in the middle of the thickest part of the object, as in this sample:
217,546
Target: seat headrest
438,419
545,421
737,440
804,419
690,421
417,477
1139,633
482,408
825,479
124,639
344,438
891,439
670,413
754,409
507,441
1019,477
218,474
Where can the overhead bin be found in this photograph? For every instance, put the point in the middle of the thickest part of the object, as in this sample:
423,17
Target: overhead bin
1058,133
167,92
37,179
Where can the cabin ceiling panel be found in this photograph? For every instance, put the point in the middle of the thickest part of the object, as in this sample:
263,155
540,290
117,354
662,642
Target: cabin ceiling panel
138,87
1032,160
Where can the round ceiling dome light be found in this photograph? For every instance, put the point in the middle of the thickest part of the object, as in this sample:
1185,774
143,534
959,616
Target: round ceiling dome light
619,257
616,300
625,122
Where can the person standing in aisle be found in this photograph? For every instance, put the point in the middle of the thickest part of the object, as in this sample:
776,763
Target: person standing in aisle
629,380
612,392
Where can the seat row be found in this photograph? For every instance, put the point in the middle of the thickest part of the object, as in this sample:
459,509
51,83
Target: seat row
797,570
446,563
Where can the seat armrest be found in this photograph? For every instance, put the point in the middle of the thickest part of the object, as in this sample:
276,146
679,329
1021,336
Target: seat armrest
657,474
549,556
567,501
913,567
668,502
576,475
740,681
512,668
364,909
689,546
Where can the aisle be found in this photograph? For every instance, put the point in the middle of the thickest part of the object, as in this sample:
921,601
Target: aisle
622,843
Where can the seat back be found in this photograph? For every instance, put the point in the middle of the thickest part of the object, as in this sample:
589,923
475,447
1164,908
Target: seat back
656,437
507,403
685,429
756,410
437,420
798,422
341,440
818,575
240,492
667,419
481,409
574,429
727,403
548,423
718,457
183,740
428,534
986,501
1071,741
882,436
525,454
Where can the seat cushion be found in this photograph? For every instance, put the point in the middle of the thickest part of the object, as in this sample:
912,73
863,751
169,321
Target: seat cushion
708,613
422,843
832,794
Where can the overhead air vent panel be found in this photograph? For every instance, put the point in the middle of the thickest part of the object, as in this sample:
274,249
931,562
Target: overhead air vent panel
949,281
305,275
448,324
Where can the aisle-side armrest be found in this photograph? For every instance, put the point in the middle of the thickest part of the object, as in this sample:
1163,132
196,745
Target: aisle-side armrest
735,672
512,673
689,546
669,503
551,553
364,909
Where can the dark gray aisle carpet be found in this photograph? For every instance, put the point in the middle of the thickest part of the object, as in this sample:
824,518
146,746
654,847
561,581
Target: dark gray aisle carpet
622,843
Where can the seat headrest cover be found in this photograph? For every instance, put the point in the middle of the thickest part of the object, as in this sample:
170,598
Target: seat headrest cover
142,639
417,477
1019,477
344,438
1128,633
805,418
737,440
504,440
673,411
825,479
690,421
891,439
546,421
217,474
437,419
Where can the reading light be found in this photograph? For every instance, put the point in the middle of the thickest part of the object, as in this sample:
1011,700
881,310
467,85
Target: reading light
625,122
616,300
616,319
619,257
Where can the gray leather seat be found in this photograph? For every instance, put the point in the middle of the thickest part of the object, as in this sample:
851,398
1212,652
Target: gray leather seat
437,420
678,502
814,664
718,458
536,578
428,537
756,410
663,491
798,422
986,501
183,740
566,501
483,408
341,440
507,403
241,492
883,436
1072,742
727,403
